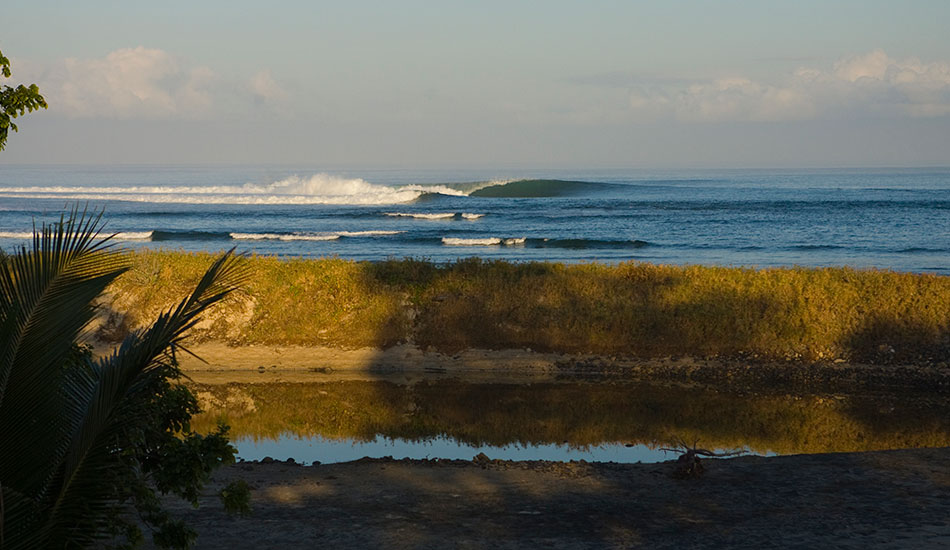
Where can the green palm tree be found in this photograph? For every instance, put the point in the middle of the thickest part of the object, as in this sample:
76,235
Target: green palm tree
82,438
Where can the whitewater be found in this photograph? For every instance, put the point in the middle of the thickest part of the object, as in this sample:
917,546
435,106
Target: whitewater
875,218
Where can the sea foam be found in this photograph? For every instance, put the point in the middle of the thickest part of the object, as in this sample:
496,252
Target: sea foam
435,215
422,216
120,236
316,189
485,241
281,237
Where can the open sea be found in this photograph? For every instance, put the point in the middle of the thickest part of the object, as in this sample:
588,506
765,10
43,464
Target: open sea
883,218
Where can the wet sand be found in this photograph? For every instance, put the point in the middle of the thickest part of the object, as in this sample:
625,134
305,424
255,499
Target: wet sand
888,499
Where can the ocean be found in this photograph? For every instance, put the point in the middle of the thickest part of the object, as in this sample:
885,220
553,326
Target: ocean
867,218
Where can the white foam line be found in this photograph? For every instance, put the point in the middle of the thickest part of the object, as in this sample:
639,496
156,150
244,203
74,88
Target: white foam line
453,241
16,234
434,216
119,236
133,236
485,241
281,237
365,233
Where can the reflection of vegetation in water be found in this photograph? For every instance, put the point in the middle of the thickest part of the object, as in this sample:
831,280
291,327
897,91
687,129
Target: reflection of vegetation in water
578,414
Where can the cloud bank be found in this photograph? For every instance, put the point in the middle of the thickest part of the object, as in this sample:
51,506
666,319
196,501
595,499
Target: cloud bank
147,83
872,84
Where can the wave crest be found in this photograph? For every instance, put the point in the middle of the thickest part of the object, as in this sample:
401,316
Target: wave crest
316,189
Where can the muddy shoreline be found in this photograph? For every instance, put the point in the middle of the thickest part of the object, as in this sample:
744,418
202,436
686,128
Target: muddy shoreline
248,364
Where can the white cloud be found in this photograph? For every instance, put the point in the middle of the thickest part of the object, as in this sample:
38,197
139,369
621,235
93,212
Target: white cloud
127,83
869,84
264,88
136,83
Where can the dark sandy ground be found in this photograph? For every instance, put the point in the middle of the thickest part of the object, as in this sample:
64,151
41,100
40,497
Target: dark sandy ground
888,499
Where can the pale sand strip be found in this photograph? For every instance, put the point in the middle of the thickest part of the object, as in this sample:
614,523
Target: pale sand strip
406,363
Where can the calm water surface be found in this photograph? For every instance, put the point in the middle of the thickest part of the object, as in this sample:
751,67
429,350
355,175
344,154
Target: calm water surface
620,422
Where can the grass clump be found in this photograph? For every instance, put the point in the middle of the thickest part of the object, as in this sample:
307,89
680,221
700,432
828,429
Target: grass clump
633,309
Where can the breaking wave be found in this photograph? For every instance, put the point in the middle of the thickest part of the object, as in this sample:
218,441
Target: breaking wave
330,236
121,236
485,241
436,215
316,189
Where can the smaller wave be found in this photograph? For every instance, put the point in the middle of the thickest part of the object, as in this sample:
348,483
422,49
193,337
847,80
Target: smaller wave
133,236
436,215
119,236
16,234
581,244
922,250
453,241
806,247
370,233
281,237
485,241
420,216
159,236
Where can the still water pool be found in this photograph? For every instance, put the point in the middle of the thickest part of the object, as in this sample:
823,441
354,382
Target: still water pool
619,422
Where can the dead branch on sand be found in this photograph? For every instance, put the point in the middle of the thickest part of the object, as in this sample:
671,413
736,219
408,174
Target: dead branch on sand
688,465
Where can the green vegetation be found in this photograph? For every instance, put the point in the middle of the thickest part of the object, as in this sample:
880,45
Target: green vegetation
580,414
632,309
236,497
84,441
15,102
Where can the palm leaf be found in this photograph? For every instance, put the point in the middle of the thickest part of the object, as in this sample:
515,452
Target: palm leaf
118,376
59,427
45,302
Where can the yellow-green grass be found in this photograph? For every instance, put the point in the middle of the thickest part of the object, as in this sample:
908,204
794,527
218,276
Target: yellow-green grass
632,309
578,414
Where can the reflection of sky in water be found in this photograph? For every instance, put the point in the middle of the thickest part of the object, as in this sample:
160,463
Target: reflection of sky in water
328,451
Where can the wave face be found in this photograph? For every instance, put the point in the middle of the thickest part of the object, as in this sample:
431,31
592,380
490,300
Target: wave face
537,189
585,244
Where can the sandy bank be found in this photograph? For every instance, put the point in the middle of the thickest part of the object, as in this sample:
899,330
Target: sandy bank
225,363
890,499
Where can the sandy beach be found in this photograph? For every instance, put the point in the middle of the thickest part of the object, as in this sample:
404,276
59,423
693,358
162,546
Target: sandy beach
889,499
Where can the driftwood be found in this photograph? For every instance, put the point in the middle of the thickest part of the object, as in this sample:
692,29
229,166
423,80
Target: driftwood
688,464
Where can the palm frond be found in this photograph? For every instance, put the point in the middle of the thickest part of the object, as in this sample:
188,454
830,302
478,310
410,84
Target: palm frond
117,379
45,302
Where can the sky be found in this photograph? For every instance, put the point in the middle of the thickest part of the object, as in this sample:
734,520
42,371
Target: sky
443,84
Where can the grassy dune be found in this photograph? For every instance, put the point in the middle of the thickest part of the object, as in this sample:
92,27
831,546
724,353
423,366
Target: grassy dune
633,309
